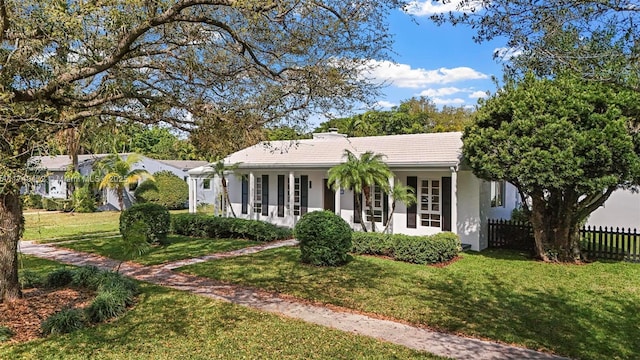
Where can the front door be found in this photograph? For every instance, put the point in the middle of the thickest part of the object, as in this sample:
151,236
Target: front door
329,197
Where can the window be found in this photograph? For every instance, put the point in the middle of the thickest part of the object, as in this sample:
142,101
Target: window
296,196
257,203
377,203
497,193
206,184
429,198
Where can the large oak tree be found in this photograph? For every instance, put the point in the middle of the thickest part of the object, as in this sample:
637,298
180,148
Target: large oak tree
172,61
565,143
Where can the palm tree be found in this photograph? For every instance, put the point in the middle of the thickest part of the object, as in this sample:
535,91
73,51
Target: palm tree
219,169
360,174
118,174
402,193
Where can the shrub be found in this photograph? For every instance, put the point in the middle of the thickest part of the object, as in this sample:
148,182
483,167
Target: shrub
134,241
167,190
59,277
86,276
107,304
29,279
32,201
83,200
200,225
432,249
5,333
155,216
63,322
372,243
325,238
108,280
50,204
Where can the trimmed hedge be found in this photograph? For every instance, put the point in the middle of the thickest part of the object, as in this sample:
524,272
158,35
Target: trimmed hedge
166,189
32,201
325,238
200,225
431,249
156,217
51,204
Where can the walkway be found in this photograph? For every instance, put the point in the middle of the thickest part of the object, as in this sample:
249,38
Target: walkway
442,344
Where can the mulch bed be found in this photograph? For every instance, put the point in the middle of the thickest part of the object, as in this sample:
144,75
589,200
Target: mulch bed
24,316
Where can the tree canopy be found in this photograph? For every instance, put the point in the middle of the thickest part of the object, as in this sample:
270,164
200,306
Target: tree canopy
173,62
595,38
565,143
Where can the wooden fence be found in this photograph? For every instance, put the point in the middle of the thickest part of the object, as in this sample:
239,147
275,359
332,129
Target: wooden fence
597,242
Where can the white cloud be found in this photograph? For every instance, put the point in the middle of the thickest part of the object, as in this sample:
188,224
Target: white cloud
428,7
506,53
385,104
403,76
454,101
478,95
446,91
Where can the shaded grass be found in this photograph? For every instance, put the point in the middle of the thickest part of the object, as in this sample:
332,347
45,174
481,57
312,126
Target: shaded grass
57,226
168,324
177,248
587,312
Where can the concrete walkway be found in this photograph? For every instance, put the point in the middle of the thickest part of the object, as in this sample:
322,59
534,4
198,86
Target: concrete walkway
442,344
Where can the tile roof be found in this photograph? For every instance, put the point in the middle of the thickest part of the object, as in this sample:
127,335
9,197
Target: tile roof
327,149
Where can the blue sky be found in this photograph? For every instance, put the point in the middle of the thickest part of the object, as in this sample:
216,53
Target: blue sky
441,62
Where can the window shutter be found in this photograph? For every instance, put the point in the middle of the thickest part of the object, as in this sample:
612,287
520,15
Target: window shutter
245,195
385,208
356,214
412,211
265,195
446,203
304,194
280,195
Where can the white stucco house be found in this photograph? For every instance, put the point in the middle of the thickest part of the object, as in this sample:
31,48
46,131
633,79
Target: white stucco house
279,181
53,184
622,209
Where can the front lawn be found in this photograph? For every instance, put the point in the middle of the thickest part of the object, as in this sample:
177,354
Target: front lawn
178,248
587,312
59,226
169,324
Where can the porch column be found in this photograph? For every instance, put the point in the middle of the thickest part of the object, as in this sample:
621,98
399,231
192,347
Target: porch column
292,193
390,202
252,195
192,197
337,199
454,200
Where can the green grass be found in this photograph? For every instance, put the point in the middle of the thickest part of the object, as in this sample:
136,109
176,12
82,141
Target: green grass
51,227
587,312
168,324
178,248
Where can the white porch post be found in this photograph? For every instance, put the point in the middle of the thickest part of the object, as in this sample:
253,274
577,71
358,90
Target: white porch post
454,200
337,200
192,200
390,201
292,193
252,195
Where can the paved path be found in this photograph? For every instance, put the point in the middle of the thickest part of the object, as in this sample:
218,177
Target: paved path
413,337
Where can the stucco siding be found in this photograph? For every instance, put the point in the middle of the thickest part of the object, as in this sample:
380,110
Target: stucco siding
622,209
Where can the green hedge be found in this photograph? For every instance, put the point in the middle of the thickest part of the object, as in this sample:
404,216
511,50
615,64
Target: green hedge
50,204
32,201
200,225
325,238
166,189
155,217
431,249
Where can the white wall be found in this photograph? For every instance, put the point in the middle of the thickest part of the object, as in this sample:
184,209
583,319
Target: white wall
622,209
470,227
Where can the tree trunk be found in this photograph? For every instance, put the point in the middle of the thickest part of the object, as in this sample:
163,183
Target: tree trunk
11,226
367,200
225,190
556,233
120,193
359,210
393,210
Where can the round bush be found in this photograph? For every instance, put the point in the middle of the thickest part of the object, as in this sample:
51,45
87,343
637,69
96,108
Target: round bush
107,305
325,238
83,200
63,322
59,278
155,216
166,189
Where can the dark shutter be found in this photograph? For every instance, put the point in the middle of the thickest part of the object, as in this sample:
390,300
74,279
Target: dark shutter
356,213
304,194
446,203
265,195
412,211
280,195
245,195
385,208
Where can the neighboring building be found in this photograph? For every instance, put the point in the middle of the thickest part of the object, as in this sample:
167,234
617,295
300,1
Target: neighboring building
54,183
279,181
622,209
